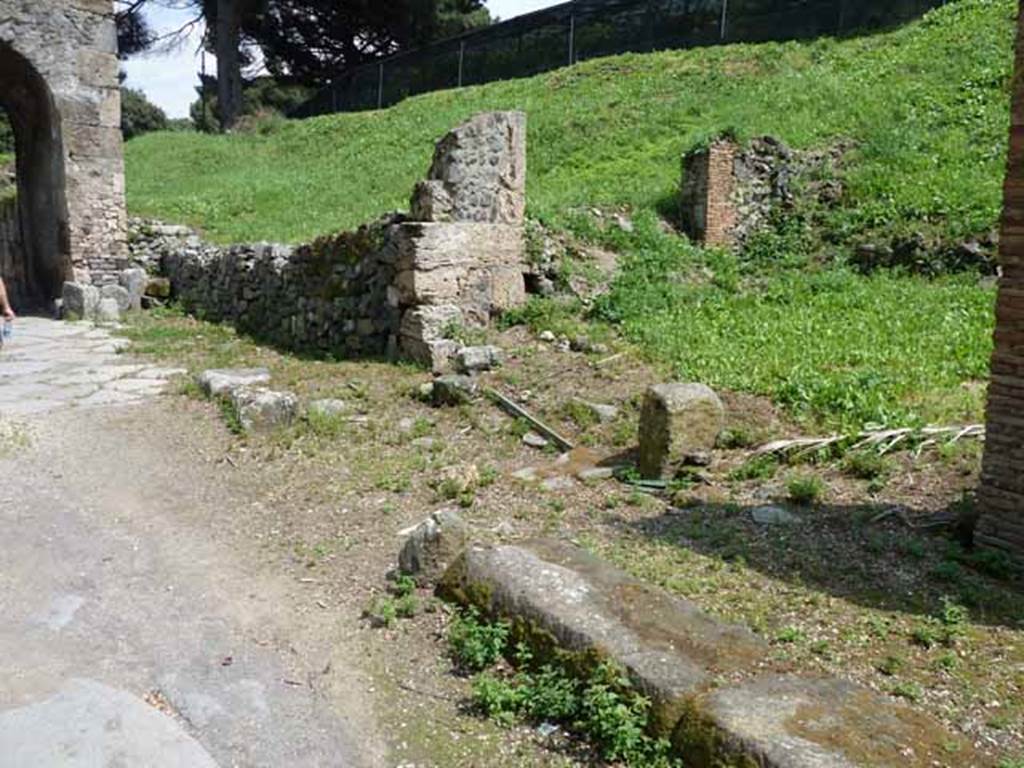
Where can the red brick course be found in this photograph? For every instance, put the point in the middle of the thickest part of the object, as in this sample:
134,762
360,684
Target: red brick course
1001,494
708,205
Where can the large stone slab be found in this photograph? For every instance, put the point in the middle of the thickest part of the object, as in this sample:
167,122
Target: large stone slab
221,381
671,649
784,721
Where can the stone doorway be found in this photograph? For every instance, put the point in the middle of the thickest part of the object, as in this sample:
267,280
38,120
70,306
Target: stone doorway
59,88
35,251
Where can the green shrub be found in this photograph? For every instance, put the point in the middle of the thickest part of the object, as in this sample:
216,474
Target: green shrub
805,489
474,643
866,465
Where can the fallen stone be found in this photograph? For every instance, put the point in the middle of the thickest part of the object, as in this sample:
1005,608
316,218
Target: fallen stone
158,288
220,381
772,515
108,311
526,474
670,649
326,408
533,440
677,421
433,546
596,473
264,410
134,281
118,294
79,300
454,389
546,336
558,483
479,359
601,411
784,721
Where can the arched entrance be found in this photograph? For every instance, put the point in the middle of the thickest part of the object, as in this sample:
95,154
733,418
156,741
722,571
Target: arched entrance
35,251
59,87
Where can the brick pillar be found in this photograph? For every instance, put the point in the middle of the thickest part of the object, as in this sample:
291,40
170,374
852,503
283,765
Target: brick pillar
707,202
1001,495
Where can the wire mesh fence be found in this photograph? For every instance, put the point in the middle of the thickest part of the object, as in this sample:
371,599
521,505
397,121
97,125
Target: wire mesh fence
585,29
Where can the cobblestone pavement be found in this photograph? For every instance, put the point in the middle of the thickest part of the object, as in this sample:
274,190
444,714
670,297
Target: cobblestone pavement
48,365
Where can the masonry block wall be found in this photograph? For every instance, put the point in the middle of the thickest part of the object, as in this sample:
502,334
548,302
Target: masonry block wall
398,285
1001,494
59,83
707,203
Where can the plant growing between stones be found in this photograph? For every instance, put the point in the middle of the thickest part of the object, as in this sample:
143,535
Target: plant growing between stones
805,489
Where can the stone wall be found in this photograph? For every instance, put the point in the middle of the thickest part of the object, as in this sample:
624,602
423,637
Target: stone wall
398,286
59,84
1001,494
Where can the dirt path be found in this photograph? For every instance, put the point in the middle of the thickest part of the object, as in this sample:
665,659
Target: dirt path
139,626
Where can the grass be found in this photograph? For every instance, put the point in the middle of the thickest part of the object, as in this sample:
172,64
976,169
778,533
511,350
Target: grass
927,105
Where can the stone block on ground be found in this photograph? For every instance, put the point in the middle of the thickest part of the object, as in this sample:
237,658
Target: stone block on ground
108,310
264,410
478,359
603,412
671,649
158,288
79,300
784,721
454,389
118,294
134,281
220,381
433,546
677,421
327,408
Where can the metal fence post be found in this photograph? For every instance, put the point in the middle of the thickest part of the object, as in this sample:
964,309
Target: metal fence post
380,85
462,58
725,11
572,35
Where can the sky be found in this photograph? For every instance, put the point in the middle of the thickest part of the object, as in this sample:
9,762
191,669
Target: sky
169,78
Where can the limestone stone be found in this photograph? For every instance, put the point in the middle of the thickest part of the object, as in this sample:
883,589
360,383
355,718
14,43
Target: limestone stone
433,546
264,410
158,288
119,295
215,382
773,515
785,721
108,310
327,407
453,389
477,359
603,412
670,649
134,281
677,420
80,301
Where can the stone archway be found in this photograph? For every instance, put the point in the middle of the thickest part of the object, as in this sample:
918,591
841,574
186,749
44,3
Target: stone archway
59,86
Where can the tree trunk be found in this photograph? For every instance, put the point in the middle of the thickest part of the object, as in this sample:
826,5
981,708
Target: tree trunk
229,67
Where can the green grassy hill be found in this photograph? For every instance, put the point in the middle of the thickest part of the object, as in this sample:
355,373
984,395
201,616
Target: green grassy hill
926,105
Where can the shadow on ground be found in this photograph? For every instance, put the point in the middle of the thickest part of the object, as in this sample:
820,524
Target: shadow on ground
877,556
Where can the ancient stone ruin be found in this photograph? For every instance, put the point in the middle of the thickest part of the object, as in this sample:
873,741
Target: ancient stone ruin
59,86
1001,495
401,285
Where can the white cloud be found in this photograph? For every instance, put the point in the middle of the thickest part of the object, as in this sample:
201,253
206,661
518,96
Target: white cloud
506,9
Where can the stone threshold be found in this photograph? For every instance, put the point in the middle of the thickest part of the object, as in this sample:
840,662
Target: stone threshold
712,691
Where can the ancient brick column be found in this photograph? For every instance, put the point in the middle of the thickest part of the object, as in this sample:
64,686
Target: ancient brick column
707,202
1001,496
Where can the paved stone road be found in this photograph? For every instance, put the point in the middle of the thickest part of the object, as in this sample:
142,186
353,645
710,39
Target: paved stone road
137,631
47,365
